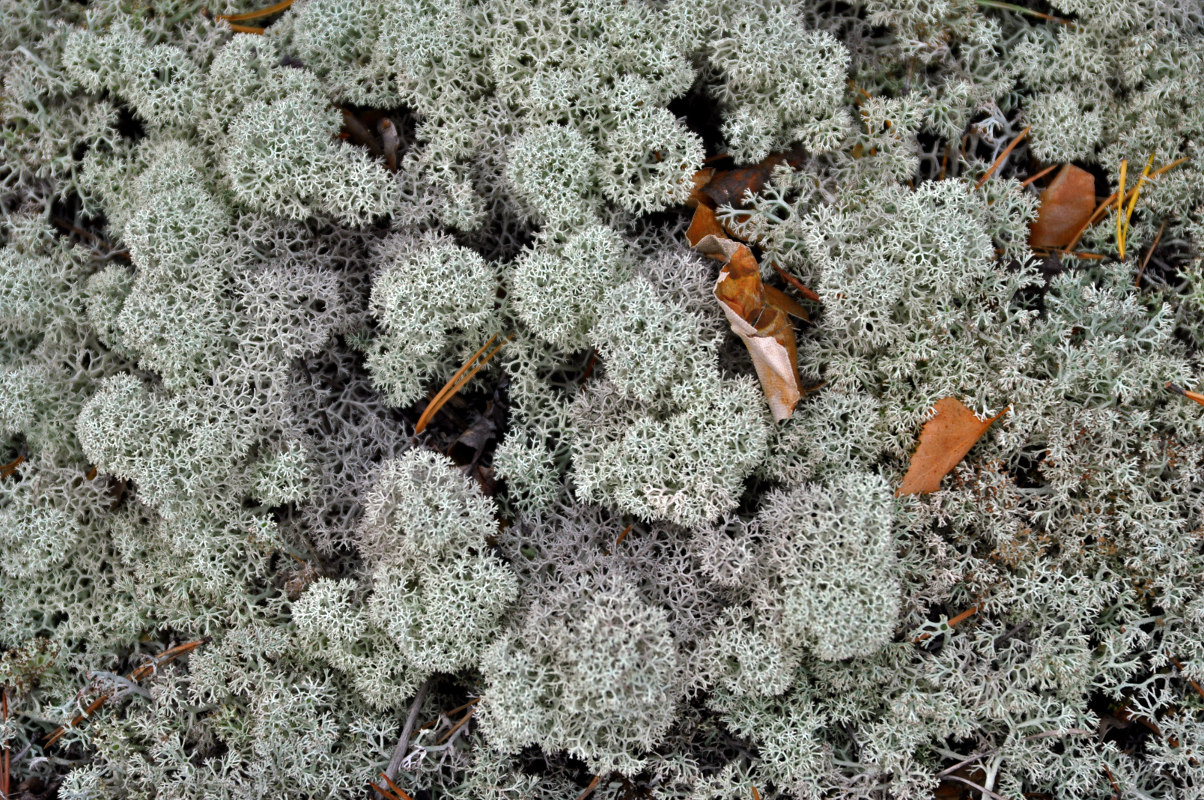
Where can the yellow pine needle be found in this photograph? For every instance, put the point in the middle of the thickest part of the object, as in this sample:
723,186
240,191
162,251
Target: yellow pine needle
1124,215
275,8
457,382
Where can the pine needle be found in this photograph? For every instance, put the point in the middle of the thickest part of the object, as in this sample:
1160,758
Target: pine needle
1113,198
1040,175
998,161
275,8
1149,254
136,675
457,382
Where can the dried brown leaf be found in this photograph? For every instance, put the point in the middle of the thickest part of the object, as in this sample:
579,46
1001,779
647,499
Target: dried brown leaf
944,441
1066,205
762,324
727,187
702,225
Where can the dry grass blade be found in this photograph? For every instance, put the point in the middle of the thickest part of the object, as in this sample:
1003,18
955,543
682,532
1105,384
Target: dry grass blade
1007,151
457,382
1028,12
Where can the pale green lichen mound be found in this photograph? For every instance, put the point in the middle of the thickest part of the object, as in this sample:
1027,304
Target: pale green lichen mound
236,270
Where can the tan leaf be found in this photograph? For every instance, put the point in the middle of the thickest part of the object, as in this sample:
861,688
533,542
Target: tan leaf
759,321
1066,205
944,441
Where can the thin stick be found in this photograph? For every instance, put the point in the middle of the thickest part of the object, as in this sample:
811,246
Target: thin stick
998,161
1022,10
457,382
1112,780
1149,254
275,8
798,286
1040,175
403,743
589,789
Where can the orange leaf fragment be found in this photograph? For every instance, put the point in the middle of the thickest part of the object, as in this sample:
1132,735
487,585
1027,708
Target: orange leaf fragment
759,315
944,441
1066,205
702,225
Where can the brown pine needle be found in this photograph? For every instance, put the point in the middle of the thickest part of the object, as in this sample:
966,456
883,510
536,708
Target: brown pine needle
756,795
590,789
457,382
166,657
275,8
1006,152
455,710
1179,390
397,790
953,622
8,469
245,29
457,726
1040,175
623,535
1149,254
796,283
385,793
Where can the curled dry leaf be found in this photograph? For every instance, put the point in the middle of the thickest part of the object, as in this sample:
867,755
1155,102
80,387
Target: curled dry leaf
1066,205
944,440
759,315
